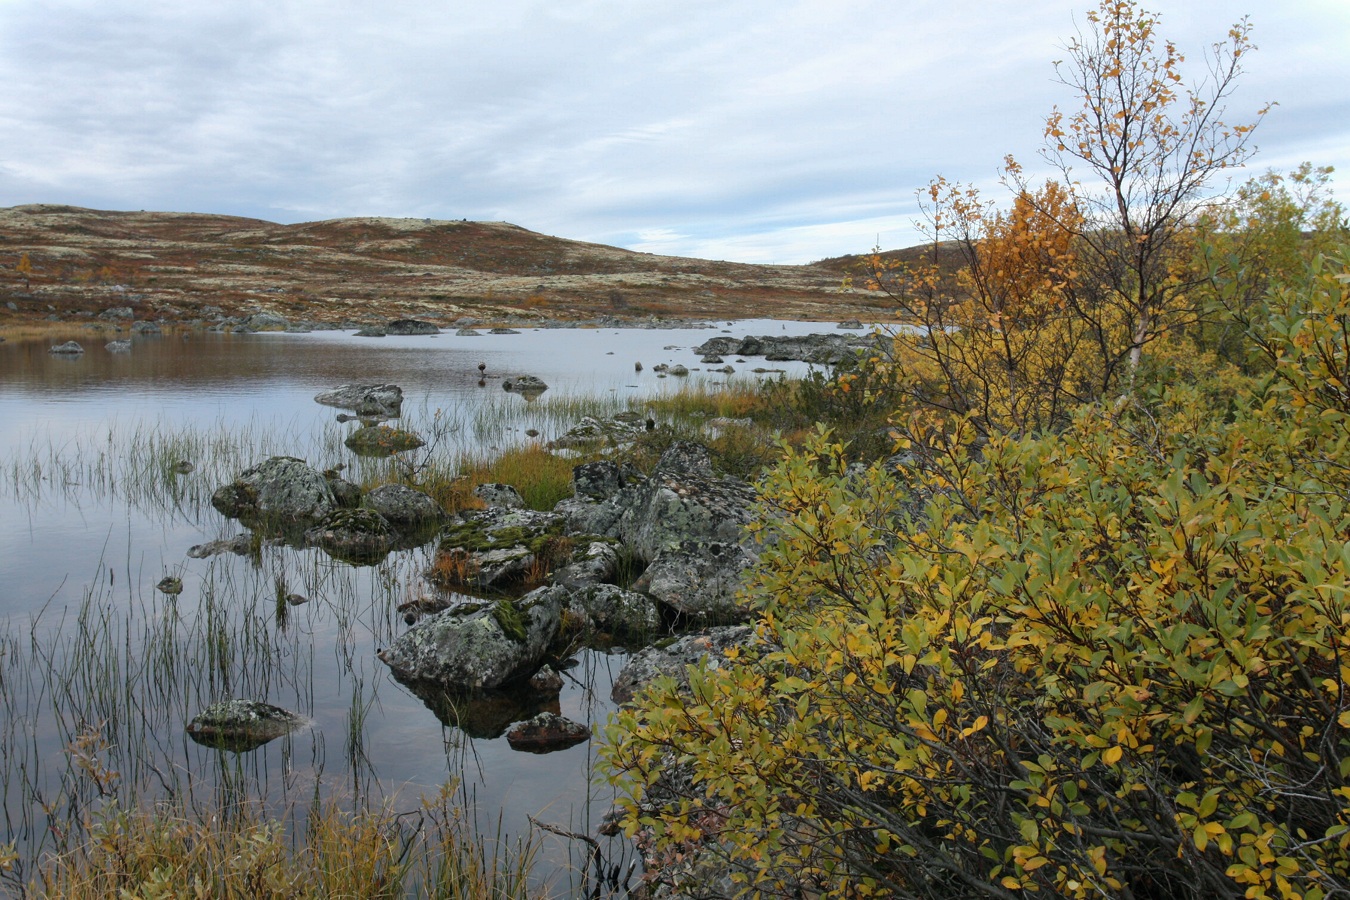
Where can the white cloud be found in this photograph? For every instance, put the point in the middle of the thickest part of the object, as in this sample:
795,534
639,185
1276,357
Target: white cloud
732,128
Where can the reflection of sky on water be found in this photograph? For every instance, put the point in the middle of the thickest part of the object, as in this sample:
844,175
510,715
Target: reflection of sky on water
85,530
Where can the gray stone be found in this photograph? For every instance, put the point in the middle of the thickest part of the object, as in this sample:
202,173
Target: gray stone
525,384
502,330
239,545
545,733
122,346
281,489
265,321
502,496
610,608
591,564
144,328
597,480
403,506
171,585
467,332
700,580
706,649
678,371
497,548
365,399
360,536
410,326
118,312
477,648
69,348
242,725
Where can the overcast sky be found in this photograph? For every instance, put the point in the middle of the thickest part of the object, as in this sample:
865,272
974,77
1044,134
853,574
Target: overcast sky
751,130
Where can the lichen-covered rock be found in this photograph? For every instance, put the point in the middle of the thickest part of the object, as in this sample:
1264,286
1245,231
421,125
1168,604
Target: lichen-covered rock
680,502
706,649
122,346
822,349
591,563
360,536
345,494
502,496
403,506
242,725
381,440
590,432
281,489
700,580
69,348
545,733
478,648
365,399
525,384
612,609
498,548
597,480
410,326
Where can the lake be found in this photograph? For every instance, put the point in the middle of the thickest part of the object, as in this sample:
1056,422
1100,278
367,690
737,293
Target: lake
93,515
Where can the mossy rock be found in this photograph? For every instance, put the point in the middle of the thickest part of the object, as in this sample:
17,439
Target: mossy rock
382,440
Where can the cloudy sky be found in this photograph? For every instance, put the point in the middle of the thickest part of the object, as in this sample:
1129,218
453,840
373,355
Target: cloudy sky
752,130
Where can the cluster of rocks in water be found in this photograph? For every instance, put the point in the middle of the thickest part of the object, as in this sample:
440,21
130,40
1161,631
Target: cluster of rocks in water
629,558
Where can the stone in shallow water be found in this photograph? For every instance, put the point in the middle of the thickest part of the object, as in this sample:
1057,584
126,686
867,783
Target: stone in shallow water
170,585
241,725
69,348
546,733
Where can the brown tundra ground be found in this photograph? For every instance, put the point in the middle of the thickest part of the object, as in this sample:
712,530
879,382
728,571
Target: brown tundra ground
61,264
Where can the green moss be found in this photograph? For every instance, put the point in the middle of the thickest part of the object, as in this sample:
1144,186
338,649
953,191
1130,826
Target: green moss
512,623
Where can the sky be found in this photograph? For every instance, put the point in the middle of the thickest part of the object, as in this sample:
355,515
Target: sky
767,131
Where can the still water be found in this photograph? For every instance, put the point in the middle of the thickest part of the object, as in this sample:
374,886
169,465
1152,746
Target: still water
92,516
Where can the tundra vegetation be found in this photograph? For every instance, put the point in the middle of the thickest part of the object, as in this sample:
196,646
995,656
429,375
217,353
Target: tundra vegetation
1085,632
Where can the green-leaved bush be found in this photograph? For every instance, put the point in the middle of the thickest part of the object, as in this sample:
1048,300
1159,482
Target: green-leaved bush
1107,662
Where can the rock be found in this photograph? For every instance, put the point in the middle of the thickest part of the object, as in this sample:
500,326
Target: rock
281,490
597,480
546,681
681,501
466,331
410,326
239,545
296,599
590,433
369,331
711,359
700,580
850,324
496,548
241,725
122,346
365,399
403,506
824,349
502,496
678,371
706,649
381,440
546,733
265,321
358,536
596,562
502,330
145,328
525,385
117,312
170,585
345,494
182,467
477,648
69,348
612,609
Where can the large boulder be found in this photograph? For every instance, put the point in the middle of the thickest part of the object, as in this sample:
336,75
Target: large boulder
365,399
242,725
681,501
478,647
700,580
282,489
496,495
590,563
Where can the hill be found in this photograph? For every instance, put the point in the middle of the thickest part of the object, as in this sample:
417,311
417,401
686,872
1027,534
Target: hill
182,266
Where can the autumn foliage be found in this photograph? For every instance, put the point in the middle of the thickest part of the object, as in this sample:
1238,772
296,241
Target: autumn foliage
1087,632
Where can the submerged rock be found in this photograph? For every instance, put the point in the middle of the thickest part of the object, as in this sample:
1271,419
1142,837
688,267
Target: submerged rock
239,545
360,536
484,714
364,399
545,733
69,348
381,440
242,725
122,346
